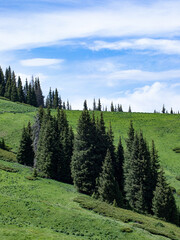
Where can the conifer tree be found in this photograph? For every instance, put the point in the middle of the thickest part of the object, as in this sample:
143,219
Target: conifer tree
56,98
2,83
119,173
25,153
20,92
14,93
112,107
84,165
163,109
38,92
94,105
66,138
99,105
47,149
85,105
108,188
129,110
164,205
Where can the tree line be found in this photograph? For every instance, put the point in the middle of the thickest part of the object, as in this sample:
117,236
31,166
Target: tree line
12,88
130,178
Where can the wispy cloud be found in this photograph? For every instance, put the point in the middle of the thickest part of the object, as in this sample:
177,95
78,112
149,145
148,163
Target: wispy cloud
39,62
29,29
160,45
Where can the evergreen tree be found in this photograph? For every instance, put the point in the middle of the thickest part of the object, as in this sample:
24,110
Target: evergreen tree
36,130
108,188
99,105
112,107
7,93
2,83
84,165
164,205
85,105
155,166
20,92
39,94
94,105
47,149
119,173
25,153
171,111
163,109
56,98
66,138
129,110
14,93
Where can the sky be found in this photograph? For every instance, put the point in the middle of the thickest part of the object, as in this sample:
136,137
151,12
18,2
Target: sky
123,51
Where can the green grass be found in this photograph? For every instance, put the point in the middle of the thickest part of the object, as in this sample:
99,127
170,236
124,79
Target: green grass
46,209
164,129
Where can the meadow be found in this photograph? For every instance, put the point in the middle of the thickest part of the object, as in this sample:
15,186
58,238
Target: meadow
46,209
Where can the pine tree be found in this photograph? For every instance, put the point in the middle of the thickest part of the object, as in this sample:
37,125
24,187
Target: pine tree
66,138
94,105
119,173
47,149
39,94
164,205
99,105
25,153
163,109
20,92
112,107
85,105
56,98
83,165
129,110
2,83
108,188
14,93
36,130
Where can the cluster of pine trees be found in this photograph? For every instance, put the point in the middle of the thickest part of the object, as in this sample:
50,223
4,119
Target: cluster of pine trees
48,145
54,100
13,89
131,179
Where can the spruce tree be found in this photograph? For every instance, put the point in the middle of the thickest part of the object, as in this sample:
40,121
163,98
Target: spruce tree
112,107
39,94
20,92
14,93
119,172
2,83
84,165
47,149
99,105
25,153
164,205
94,105
108,189
56,98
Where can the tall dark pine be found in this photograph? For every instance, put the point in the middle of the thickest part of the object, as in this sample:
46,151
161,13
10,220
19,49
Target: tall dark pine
164,205
39,94
66,138
2,83
119,172
85,105
25,153
56,98
108,189
47,149
94,105
112,107
99,105
83,165
20,92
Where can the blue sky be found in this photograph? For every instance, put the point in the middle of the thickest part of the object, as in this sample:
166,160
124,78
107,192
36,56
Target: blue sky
127,52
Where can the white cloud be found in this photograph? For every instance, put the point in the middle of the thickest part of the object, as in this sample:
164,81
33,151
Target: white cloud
135,75
39,62
145,99
161,45
27,30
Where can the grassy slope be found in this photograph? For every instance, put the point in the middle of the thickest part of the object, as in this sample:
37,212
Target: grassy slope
164,129
45,209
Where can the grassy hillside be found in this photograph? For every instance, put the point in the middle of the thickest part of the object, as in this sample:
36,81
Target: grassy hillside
46,209
164,129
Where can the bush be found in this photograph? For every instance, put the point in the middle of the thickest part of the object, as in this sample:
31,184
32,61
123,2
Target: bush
126,229
8,169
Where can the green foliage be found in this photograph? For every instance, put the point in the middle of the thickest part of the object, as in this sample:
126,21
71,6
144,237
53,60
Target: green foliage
7,156
25,153
108,189
134,219
164,205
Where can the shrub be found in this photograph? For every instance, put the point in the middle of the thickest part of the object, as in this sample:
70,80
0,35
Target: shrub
126,229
